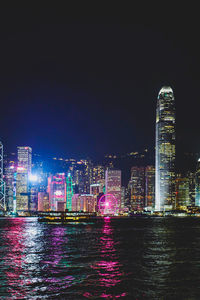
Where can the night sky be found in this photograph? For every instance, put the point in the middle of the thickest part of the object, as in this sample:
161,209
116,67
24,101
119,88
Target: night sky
76,82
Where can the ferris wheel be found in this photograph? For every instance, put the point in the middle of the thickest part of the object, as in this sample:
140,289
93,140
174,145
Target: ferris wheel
108,205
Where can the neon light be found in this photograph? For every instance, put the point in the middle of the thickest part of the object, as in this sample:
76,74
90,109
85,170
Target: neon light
20,168
33,177
108,205
70,192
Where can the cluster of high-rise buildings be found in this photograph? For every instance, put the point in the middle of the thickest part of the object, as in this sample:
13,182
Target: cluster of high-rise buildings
26,187
29,189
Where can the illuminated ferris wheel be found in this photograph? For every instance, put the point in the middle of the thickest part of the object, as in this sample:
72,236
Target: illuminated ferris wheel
108,205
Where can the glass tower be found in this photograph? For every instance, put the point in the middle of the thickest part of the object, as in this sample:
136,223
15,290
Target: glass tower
165,150
197,184
24,157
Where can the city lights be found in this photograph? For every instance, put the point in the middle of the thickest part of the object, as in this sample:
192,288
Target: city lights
58,193
84,186
33,177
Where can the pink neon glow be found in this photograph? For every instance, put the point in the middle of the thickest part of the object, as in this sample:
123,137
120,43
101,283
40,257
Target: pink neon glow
108,267
107,205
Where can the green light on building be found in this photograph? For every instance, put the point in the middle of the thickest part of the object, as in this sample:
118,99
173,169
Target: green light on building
70,192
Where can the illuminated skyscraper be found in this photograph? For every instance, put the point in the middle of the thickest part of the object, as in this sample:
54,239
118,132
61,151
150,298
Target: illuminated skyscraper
87,203
76,202
197,184
165,150
113,184
2,183
98,173
43,201
24,156
57,192
182,192
70,192
10,171
150,187
87,176
137,188
191,177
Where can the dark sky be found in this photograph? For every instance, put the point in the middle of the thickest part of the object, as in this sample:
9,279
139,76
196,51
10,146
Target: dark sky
84,81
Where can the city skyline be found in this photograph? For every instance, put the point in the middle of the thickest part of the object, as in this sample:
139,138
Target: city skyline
99,150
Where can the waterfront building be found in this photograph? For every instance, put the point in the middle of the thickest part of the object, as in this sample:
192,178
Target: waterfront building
43,201
87,176
78,179
84,202
182,193
57,192
150,187
165,150
197,184
2,183
102,188
9,179
137,188
113,185
87,203
33,205
76,202
24,158
123,194
191,178
95,189
98,173
70,192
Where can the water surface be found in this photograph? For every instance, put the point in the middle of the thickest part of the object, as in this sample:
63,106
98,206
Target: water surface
143,258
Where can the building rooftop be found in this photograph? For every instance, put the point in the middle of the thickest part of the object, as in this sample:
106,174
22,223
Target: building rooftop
166,89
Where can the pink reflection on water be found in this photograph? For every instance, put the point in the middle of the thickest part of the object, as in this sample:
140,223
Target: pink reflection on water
109,267
15,258
57,242
57,261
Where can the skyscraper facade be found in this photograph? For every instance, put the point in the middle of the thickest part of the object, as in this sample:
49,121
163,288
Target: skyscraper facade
10,170
165,150
57,192
197,184
98,173
150,187
113,185
24,157
43,201
182,193
137,188
70,192
2,183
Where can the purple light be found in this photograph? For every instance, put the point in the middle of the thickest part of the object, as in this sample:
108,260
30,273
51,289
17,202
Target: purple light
108,205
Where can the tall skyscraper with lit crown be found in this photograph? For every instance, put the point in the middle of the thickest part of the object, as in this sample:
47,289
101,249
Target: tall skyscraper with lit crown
165,150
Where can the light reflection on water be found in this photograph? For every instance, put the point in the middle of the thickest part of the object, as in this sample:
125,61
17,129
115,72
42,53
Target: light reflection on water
108,267
128,259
